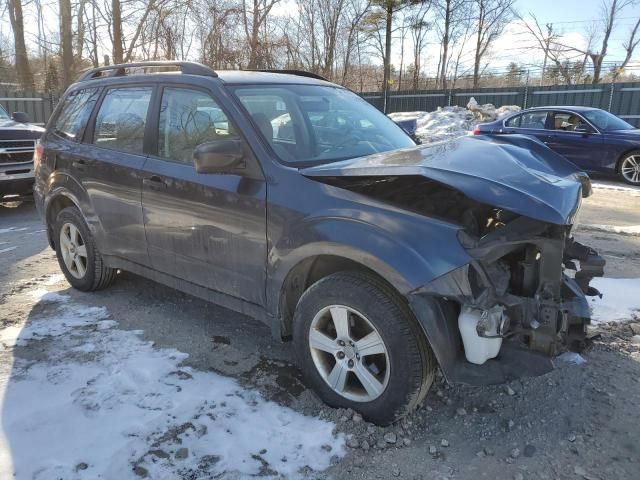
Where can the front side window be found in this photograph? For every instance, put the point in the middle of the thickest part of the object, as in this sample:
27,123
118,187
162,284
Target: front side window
318,124
189,118
534,120
606,121
75,113
566,122
121,120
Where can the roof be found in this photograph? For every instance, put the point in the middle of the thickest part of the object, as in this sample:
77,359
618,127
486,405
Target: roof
575,108
138,69
239,77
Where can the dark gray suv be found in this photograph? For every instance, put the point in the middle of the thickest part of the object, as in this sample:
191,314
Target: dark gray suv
290,199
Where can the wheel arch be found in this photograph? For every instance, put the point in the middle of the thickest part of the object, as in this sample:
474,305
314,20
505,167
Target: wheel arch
622,156
57,202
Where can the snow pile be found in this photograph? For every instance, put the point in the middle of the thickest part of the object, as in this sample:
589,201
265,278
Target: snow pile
620,299
488,112
99,402
451,122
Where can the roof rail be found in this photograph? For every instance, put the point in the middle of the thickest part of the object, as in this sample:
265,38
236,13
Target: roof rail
187,68
300,73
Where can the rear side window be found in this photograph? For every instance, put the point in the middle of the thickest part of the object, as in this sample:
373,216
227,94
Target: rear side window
513,122
75,113
189,118
122,118
534,120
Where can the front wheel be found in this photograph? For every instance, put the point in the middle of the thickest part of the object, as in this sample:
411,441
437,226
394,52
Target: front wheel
630,167
78,257
360,347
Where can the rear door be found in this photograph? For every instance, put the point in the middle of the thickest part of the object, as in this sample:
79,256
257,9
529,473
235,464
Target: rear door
529,123
209,229
110,166
585,149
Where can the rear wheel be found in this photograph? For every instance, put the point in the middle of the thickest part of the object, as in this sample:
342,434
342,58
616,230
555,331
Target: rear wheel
360,347
630,167
79,259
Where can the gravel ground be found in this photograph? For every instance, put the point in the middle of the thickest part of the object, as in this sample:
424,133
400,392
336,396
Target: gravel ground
577,422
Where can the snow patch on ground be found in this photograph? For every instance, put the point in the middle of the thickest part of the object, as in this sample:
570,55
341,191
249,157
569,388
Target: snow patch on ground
620,299
5,250
623,230
619,187
452,122
13,229
99,402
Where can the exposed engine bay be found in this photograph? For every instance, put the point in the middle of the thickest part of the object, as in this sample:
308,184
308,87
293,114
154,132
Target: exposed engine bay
524,290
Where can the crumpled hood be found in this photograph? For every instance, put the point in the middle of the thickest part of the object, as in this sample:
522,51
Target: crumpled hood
515,173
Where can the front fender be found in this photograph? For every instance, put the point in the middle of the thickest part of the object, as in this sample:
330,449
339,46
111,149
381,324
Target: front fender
406,249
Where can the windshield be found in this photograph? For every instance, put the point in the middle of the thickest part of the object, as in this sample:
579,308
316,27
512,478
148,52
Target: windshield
3,113
317,124
606,121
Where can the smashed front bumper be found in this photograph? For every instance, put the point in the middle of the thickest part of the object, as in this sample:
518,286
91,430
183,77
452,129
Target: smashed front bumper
525,269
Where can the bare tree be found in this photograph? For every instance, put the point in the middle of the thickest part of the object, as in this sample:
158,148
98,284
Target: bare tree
419,29
611,9
452,15
116,31
491,18
66,39
630,45
25,77
254,20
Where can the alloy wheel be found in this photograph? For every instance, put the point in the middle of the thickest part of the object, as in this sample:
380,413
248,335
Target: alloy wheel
349,353
630,169
74,250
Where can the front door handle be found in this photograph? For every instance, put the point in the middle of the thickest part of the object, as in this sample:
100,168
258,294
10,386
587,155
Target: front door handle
154,182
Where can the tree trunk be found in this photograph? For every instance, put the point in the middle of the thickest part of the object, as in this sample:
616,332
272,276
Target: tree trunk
25,77
387,54
116,19
66,42
445,46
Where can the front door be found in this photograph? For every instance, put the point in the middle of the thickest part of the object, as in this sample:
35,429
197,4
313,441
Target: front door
209,229
586,149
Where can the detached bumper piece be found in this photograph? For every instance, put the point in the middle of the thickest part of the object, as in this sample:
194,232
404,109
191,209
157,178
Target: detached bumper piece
520,269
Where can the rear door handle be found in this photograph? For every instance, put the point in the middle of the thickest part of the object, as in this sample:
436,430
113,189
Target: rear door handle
79,164
154,181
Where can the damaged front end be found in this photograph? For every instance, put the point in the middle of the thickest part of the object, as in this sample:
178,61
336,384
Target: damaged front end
518,297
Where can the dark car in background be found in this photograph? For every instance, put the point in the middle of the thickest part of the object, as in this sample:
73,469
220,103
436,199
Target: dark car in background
293,200
17,143
593,139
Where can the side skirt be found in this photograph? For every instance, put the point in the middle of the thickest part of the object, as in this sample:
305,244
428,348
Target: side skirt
224,300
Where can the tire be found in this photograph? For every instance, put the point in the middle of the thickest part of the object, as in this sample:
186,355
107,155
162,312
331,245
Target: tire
89,272
629,167
408,369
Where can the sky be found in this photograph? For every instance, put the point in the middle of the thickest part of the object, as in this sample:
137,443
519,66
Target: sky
570,17
574,16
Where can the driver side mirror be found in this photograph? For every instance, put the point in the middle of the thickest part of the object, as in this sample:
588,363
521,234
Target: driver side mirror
222,156
20,117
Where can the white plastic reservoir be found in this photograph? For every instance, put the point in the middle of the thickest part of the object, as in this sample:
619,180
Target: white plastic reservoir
477,349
